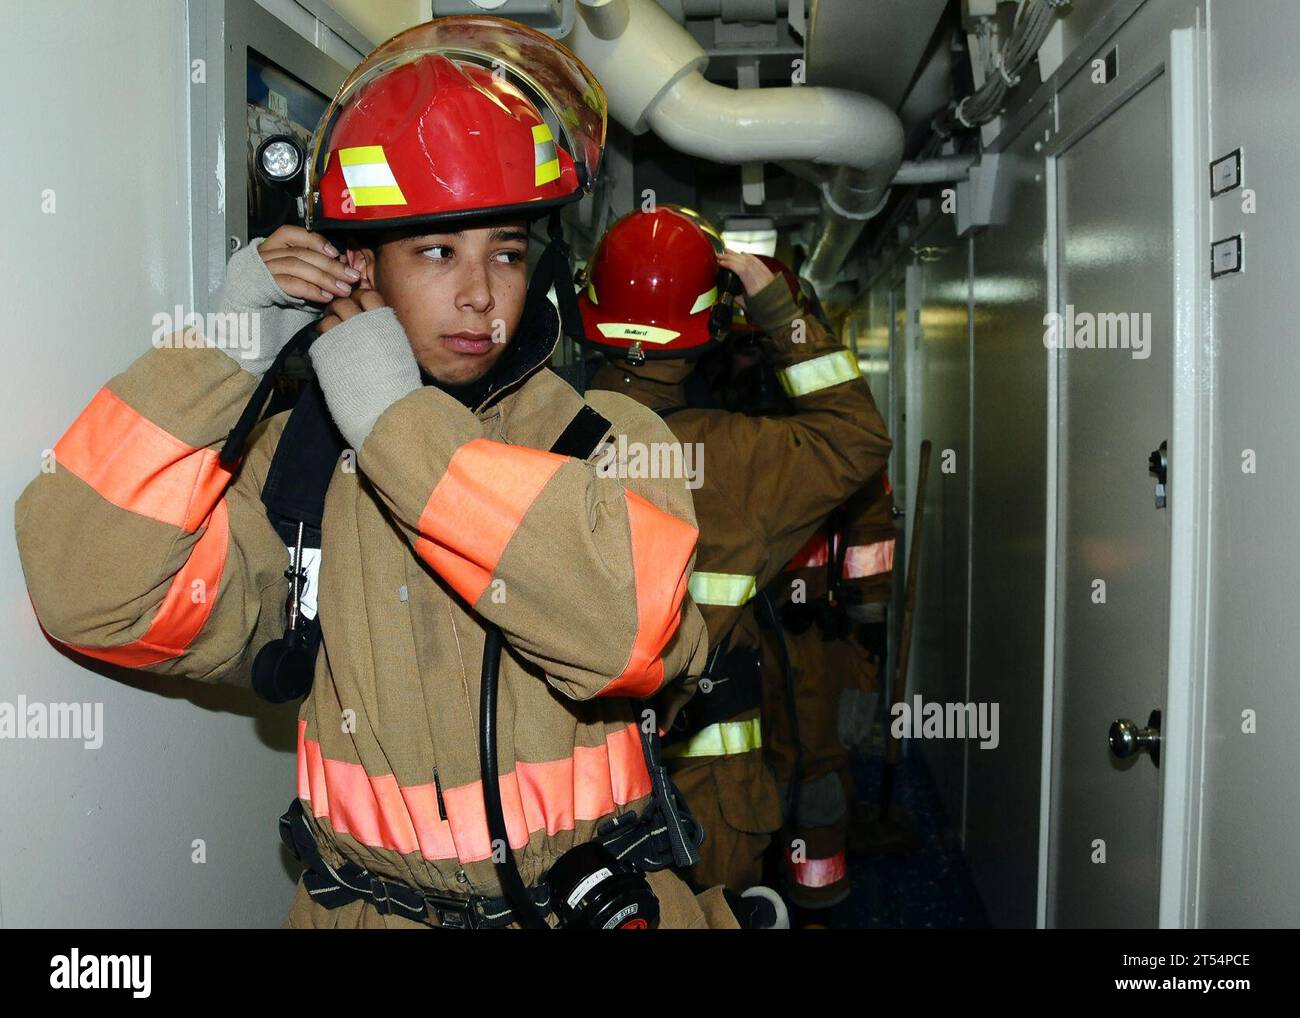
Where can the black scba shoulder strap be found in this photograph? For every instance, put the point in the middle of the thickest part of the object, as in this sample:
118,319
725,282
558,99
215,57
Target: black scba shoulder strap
294,495
301,469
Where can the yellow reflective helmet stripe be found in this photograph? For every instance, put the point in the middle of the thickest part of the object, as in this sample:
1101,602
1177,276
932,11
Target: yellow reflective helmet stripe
722,739
819,373
591,293
730,589
545,159
370,180
705,300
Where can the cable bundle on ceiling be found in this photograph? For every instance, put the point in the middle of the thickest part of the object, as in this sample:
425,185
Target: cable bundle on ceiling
1034,19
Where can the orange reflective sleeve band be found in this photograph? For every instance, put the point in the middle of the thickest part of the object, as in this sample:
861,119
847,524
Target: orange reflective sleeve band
186,606
862,560
133,463
818,872
551,796
813,553
661,549
476,508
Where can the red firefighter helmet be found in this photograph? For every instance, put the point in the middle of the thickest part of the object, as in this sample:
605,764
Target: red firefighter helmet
651,286
439,123
715,238
738,321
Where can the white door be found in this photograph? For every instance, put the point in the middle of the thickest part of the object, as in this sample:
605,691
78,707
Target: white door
1114,258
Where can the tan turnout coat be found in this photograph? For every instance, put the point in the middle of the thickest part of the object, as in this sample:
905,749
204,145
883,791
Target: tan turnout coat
176,569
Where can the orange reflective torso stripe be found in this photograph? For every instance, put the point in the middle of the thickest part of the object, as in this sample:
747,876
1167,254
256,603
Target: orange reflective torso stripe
549,796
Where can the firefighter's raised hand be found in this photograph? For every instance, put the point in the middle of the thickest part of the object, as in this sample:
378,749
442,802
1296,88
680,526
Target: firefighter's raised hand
306,265
754,275
276,282
342,308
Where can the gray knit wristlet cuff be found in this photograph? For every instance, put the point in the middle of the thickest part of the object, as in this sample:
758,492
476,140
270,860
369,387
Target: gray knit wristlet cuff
365,365
250,289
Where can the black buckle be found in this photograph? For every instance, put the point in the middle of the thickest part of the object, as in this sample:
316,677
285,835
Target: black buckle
379,896
616,826
453,913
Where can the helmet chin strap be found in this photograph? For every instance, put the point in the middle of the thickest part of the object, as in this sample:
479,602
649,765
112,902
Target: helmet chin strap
554,268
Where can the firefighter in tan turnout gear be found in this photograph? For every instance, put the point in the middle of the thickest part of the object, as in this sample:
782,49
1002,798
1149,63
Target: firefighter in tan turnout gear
762,486
470,512
832,596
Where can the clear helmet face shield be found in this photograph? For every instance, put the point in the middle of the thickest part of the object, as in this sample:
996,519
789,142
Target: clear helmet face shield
564,91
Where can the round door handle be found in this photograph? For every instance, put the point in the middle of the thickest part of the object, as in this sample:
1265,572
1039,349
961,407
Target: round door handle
1127,739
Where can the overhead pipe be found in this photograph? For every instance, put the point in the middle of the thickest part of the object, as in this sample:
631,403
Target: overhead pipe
849,201
652,67
811,172
736,10
607,19
941,170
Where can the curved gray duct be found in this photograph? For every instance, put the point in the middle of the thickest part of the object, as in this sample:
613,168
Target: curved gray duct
652,67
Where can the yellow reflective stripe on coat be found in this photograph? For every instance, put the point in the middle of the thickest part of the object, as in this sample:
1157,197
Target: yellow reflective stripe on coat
819,373
721,739
729,589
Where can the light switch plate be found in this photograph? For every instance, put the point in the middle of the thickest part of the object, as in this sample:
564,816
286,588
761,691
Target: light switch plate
1225,174
1227,256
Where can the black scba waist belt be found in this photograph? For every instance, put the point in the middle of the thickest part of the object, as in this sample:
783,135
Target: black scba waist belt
644,843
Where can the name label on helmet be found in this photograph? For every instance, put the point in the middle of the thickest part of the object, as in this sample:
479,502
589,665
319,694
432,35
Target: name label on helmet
630,330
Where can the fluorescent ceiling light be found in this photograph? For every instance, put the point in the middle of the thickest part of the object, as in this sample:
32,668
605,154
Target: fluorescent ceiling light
752,241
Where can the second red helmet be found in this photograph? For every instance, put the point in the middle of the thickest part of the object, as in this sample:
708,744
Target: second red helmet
652,284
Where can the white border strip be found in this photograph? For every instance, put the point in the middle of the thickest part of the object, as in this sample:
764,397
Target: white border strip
1049,556
964,829
1189,465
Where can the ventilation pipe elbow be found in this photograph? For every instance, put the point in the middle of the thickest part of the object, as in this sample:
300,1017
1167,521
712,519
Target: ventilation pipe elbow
652,67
